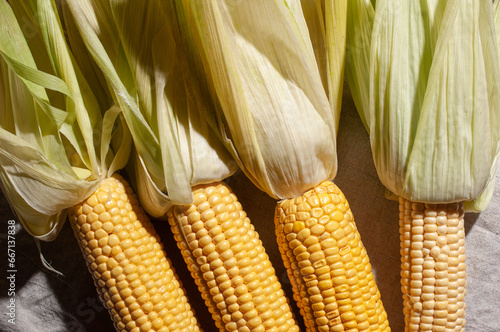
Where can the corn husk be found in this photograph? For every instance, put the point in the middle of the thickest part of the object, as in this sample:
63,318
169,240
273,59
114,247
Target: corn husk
133,45
425,80
51,126
275,71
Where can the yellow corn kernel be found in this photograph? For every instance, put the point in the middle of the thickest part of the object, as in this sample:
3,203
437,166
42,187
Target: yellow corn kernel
134,301
229,263
432,277
330,273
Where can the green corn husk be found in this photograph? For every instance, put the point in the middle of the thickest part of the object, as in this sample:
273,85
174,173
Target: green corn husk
165,105
175,148
425,80
58,143
51,124
424,77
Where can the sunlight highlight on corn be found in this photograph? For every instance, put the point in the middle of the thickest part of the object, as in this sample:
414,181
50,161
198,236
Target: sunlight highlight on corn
433,276
327,263
131,271
228,262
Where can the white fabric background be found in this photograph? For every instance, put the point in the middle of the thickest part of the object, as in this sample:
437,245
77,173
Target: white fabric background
45,302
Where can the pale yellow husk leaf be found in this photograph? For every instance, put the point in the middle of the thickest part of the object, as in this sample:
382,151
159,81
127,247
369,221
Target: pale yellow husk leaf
175,148
278,96
51,126
425,79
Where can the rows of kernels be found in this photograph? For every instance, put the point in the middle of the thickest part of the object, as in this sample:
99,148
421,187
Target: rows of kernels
405,241
433,277
130,269
229,263
327,263
196,273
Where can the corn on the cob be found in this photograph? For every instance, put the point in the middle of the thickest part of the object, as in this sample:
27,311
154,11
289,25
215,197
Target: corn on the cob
131,271
228,262
60,147
433,277
327,263
434,141
275,117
